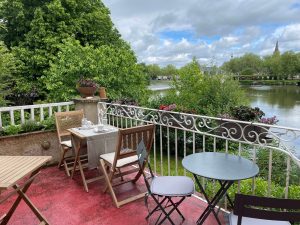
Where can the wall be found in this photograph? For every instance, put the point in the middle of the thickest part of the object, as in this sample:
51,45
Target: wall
31,144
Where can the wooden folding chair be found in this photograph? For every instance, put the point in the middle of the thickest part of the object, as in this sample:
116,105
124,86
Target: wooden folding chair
125,156
65,121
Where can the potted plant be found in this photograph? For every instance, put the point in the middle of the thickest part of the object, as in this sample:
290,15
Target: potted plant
244,131
87,87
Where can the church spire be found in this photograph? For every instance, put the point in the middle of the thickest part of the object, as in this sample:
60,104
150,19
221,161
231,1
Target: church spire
276,51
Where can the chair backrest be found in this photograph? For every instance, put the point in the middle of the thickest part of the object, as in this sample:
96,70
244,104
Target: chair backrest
266,208
130,138
67,120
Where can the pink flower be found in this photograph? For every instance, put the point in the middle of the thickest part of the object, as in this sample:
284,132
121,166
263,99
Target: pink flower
270,120
167,107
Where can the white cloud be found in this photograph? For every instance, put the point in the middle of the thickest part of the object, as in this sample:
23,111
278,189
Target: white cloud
209,30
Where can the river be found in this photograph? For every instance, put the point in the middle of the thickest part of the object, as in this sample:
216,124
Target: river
280,101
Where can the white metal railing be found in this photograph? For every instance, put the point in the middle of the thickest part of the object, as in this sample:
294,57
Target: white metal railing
189,133
18,114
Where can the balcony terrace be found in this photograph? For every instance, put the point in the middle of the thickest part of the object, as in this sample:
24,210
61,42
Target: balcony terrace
64,201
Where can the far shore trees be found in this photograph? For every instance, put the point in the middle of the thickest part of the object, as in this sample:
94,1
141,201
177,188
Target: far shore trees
271,67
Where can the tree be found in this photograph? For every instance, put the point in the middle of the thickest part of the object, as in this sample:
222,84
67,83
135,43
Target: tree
289,62
153,71
169,70
190,78
36,29
110,66
205,95
8,67
248,64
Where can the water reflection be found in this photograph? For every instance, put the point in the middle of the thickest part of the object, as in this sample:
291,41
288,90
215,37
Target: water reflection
281,101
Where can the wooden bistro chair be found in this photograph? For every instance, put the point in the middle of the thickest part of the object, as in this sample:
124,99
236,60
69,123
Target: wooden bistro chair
65,121
125,156
253,210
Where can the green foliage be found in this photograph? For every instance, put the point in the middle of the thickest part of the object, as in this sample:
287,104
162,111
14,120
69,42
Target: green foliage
49,123
246,113
8,68
245,65
153,71
274,67
219,94
12,130
35,32
30,126
194,92
112,67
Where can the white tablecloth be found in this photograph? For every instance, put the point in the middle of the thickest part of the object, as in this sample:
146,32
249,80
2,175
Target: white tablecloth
99,142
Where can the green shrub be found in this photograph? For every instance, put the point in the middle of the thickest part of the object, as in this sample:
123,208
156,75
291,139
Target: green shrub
49,123
12,130
30,126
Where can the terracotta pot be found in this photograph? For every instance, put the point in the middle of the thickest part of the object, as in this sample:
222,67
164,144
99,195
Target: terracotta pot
102,93
86,91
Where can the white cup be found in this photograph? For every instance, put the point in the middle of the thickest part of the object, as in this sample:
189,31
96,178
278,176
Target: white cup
100,127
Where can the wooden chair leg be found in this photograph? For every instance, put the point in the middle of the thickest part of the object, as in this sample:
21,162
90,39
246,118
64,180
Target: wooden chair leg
62,157
66,168
108,183
83,176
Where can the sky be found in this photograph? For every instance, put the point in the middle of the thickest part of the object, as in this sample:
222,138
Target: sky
174,31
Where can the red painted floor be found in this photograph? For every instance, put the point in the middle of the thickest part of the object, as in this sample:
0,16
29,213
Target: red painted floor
64,201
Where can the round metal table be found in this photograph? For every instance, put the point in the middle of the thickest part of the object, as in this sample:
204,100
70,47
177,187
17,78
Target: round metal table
225,168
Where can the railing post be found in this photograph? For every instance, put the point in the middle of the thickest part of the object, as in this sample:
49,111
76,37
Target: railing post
12,118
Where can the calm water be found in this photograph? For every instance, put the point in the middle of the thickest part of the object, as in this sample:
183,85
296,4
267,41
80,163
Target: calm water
280,101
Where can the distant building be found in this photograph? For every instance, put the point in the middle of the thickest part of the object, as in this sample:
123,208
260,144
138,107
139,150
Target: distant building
276,50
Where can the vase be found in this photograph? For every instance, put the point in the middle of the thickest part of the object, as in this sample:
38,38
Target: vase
102,93
86,91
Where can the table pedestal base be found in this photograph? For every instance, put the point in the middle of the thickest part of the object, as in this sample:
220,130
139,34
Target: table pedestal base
225,185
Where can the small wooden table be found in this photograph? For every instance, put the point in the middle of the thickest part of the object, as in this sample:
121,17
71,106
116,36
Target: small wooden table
97,143
12,170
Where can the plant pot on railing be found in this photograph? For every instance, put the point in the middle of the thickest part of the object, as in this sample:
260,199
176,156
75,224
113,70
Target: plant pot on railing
87,91
102,93
242,131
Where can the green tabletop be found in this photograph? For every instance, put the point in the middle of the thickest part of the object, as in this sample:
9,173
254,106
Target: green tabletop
220,166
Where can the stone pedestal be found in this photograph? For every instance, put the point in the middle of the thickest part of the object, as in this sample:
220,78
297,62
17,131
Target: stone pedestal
89,106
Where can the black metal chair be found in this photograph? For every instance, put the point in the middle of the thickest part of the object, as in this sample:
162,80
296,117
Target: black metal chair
162,189
266,211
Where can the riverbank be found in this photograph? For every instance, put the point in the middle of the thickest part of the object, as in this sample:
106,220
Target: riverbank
270,82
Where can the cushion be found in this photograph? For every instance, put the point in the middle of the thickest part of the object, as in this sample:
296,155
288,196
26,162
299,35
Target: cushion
109,157
172,186
67,143
252,221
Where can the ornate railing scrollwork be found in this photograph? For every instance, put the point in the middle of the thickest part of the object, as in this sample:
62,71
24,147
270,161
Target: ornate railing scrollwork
281,138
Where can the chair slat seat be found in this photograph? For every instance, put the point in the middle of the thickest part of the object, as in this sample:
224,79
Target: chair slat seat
109,158
124,156
67,143
172,186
